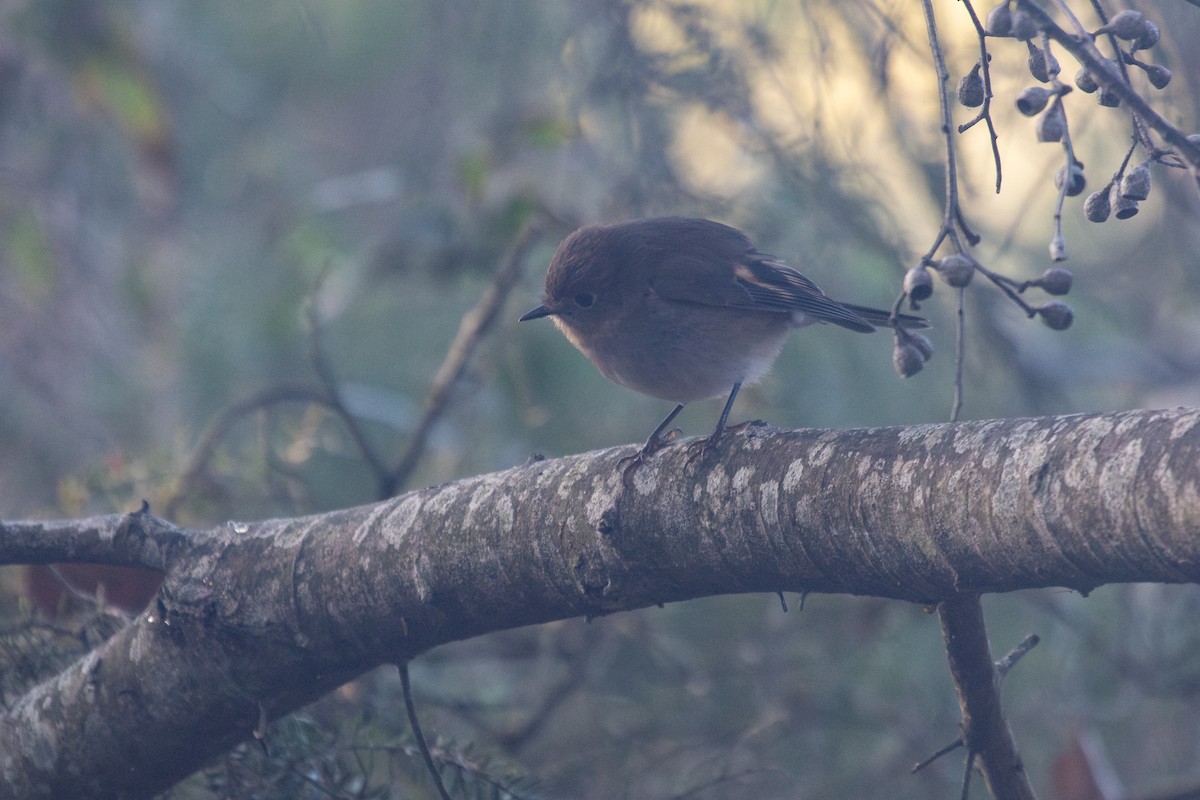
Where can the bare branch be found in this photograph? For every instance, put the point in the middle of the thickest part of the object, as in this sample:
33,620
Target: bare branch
1084,50
985,731
138,539
985,111
219,428
263,617
471,332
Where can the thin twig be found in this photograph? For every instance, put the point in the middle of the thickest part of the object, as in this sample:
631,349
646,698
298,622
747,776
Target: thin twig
968,768
950,748
1058,247
1140,134
1008,286
1012,657
219,427
330,381
471,331
411,708
952,213
960,345
1069,13
952,220
1085,52
985,111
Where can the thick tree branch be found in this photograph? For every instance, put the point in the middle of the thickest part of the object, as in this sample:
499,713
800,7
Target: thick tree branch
272,614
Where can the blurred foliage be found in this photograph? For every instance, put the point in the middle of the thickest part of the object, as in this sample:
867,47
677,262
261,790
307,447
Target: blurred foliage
178,176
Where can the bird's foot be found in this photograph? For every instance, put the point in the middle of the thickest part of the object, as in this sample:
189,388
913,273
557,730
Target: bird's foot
701,449
629,464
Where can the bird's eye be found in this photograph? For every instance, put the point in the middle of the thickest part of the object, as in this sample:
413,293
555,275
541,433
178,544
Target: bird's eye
584,299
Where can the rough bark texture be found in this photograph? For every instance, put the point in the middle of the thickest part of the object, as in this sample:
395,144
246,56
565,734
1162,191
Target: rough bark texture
269,615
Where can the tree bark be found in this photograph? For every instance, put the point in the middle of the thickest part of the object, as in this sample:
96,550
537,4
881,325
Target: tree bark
255,619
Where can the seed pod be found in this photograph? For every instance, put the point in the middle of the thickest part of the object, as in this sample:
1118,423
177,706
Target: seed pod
906,359
1194,138
1085,81
918,284
1158,75
1058,248
1148,37
1077,183
1039,65
1056,315
1024,27
970,88
1052,124
1128,24
922,343
1055,281
1136,183
1032,100
999,21
1122,207
1097,208
957,269
1109,99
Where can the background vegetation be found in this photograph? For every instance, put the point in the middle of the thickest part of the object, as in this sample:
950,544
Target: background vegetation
183,182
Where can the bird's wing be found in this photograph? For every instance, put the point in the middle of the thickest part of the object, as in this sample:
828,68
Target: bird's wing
749,280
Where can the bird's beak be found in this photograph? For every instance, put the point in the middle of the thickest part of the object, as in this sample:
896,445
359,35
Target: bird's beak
537,313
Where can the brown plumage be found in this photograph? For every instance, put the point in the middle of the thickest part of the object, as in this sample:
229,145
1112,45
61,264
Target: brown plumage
684,309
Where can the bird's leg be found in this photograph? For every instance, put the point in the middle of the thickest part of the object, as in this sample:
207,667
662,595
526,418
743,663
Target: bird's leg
655,442
716,434
705,446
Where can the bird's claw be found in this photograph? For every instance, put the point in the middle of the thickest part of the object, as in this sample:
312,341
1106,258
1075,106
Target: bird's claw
700,449
629,464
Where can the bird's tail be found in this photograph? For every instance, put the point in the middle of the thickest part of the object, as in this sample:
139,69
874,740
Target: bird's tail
883,319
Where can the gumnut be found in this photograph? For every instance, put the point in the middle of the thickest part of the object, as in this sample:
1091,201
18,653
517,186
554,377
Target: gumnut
1085,81
906,359
999,21
918,284
1148,37
922,343
1058,248
1122,207
1158,75
1052,124
1055,281
1039,63
970,88
1056,315
1032,100
1097,207
1136,183
1024,27
957,269
1076,184
1128,24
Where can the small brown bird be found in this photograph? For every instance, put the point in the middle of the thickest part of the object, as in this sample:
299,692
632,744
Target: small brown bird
684,309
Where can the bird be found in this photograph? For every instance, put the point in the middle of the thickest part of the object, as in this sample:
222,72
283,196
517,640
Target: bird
685,309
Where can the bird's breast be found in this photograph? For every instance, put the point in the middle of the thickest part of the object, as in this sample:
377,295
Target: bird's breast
682,352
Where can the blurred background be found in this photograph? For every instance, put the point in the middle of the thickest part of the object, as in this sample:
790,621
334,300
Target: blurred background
186,188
